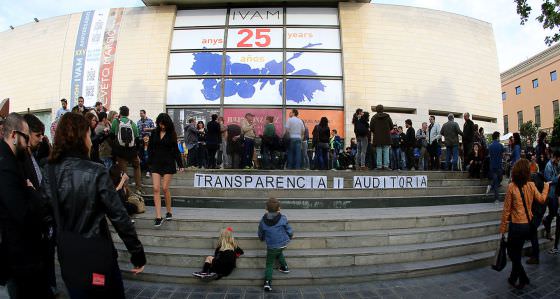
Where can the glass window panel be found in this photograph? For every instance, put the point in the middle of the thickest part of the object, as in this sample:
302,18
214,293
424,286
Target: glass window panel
312,16
194,92
313,64
199,64
254,63
181,116
256,16
252,92
312,38
201,17
255,38
314,92
198,39
553,76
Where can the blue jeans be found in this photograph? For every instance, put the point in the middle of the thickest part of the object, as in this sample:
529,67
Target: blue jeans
452,149
362,151
294,154
396,158
382,152
249,148
322,156
496,180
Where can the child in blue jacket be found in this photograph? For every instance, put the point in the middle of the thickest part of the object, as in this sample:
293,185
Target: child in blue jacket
275,230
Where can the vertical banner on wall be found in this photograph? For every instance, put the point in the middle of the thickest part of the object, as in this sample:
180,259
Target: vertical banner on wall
92,69
79,56
108,56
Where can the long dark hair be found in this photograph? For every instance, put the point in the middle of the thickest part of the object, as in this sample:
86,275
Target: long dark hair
516,139
324,122
521,172
69,137
165,119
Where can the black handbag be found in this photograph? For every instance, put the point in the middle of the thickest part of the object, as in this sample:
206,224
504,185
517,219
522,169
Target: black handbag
500,258
85,263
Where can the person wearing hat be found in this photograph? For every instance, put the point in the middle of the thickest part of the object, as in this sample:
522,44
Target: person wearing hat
63,109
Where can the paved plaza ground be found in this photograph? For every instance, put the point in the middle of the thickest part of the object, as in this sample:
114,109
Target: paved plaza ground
478,283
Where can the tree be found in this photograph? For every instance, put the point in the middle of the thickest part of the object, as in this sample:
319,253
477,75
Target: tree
555,139
528,131
549,17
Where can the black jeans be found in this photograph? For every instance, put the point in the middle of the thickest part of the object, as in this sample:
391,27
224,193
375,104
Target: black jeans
535,249
32,283
517,235
212,150
410,163
552,211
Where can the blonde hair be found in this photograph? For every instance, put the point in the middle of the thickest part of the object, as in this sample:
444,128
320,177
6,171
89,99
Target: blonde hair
226,240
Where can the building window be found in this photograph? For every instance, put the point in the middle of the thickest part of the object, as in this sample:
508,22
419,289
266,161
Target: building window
535,83
519,119
538,116
503,96
518,90
553,76
506,124
555,108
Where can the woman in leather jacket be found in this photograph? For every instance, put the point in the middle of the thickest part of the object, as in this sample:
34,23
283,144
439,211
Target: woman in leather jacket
86,198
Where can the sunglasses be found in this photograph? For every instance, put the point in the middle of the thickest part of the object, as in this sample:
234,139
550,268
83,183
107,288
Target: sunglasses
25,136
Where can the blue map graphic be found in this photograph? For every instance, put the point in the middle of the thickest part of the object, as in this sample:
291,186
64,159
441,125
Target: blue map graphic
297,90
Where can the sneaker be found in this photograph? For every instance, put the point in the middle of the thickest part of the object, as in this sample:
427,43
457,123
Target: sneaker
553,251
488,189
148,174
158,222
532,261
210,276
267,286
168,217
140,191
199,274
284,270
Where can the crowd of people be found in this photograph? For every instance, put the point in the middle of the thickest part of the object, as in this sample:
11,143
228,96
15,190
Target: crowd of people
61,194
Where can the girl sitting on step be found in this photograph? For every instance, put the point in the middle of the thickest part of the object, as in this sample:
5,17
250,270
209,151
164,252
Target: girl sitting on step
224,259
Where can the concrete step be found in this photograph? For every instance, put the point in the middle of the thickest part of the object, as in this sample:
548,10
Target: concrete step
322,275
325,220
317,258
320,193
318,240
325,202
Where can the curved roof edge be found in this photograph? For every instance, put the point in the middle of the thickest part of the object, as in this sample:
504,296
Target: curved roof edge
534,61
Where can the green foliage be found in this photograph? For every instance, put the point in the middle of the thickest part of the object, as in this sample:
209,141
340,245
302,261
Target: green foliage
555,138
549,17
528,131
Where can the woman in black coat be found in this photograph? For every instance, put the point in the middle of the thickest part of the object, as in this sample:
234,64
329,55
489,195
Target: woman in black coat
83,197
163,159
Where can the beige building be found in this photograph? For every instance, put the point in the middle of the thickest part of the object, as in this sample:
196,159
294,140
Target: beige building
414,61
530,91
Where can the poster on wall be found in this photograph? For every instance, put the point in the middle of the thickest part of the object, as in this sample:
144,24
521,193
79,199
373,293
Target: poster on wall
312,16
194,91
181,116
201,17
94,54
316,38
197,39
256,16
197,63
314,92
313,64
311,117
254,63
234,116
252,91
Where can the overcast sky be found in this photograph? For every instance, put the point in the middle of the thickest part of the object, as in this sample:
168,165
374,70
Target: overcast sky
515,43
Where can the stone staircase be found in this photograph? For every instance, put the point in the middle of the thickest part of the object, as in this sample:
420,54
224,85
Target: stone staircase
421,234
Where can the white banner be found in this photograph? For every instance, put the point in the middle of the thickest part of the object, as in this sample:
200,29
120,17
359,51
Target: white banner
234,181
201,17
256,16
315,64
312,16
390,182
255,38
93,56
198,39
312,38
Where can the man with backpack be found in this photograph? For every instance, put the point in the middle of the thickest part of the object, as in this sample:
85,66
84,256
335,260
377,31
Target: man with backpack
126,133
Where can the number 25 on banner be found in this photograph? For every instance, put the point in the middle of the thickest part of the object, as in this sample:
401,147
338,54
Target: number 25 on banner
255,38
261,40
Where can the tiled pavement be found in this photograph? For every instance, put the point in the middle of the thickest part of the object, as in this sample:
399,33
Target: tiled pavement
478,283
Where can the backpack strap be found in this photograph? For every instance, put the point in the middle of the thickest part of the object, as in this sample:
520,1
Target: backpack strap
524,204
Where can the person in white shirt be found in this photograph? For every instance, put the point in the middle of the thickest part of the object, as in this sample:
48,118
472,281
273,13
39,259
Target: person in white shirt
296,129
434,140
64,109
